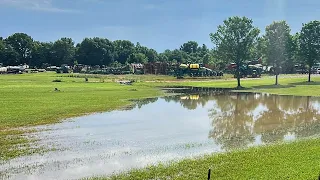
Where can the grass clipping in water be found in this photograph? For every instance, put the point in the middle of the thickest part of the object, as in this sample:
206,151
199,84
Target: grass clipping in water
13,144
296,160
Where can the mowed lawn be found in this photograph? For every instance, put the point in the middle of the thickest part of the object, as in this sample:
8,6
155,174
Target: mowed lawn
30,99
288,84
294,161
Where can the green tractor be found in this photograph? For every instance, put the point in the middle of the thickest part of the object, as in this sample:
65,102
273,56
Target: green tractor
254,71
248,69
195,70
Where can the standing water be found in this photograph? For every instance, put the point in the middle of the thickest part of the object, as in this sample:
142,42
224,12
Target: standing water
164,129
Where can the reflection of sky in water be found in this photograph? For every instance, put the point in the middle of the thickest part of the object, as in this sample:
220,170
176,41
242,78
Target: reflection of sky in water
161,131
316,105
257,112
289,136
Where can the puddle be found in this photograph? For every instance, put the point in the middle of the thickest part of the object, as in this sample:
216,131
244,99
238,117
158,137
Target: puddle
164,129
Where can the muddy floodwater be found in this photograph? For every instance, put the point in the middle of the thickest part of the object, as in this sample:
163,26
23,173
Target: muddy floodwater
164,129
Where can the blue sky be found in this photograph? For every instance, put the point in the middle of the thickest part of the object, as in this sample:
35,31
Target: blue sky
158,24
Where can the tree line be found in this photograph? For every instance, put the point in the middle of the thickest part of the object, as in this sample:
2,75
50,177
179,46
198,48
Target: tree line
235,41
20,48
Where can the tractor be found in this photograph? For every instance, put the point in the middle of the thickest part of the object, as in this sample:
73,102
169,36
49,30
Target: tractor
63,69
195,70
247,69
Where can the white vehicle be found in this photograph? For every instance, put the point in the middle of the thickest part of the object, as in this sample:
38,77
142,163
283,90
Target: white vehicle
3,70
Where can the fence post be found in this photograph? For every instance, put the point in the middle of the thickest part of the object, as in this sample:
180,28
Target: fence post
209,173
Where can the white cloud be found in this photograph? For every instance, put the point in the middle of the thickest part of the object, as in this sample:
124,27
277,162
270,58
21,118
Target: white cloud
37,5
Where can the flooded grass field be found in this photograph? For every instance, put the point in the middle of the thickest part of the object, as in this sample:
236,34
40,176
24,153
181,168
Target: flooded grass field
198,122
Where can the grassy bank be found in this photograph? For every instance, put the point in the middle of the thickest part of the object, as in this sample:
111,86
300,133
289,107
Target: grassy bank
288,85
297,160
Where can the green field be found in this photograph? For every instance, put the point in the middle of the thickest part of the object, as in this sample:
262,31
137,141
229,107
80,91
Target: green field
30,99
297,160
288,85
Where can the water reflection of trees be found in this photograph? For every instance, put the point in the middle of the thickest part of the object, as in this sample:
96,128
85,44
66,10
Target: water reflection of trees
271,124
272,117
190,102
141,102
232,120
237,118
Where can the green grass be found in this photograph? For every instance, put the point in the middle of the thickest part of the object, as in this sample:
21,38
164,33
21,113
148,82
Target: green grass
288,85
141,78
30,99
297,160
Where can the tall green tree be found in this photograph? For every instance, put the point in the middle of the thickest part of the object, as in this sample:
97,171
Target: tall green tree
2,49
95,51
167,53
176,56
163,57
310,44
217,61
189,47
259,49
152,55
137,58
292,54
63,52
192,52
202,51
37,55
141,49
278,40
234,39
295,48
122,50
41,53
22,44
8,55
206,59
